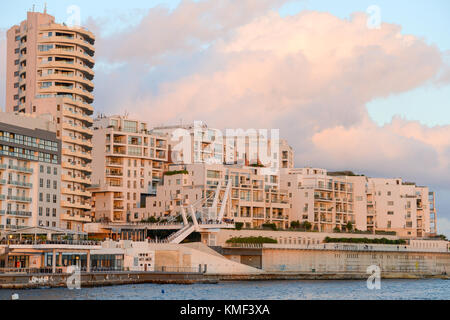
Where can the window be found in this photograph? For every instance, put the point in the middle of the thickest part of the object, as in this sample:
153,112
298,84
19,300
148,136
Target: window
391,213
390,203
41,183
54,198
55,171
40,211
130,126
55,184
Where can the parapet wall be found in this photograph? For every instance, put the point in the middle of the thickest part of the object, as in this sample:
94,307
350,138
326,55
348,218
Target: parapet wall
347,261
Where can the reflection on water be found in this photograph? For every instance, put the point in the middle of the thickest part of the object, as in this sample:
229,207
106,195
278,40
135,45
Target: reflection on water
258,290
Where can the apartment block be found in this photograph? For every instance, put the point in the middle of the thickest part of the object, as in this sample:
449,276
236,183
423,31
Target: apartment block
129,163
197,143
30,167
329,201
403,207
50,71
255,198
324,201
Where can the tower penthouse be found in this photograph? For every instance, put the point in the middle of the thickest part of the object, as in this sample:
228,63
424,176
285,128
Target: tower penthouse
50,71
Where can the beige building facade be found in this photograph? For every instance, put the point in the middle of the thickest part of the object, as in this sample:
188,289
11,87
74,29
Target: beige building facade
129,163
197,143
329,201
30,168
50,70
255,198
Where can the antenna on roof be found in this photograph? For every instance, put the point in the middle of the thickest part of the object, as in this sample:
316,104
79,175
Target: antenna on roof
45,8
33,8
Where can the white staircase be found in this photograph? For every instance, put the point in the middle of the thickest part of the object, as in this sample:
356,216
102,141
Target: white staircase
181,234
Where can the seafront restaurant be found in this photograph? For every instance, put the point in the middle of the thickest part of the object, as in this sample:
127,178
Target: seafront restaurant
53,250
43,235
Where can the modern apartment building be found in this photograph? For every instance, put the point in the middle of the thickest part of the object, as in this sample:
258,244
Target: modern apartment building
193,143
30,167
129,163
50,70
196,143
395,205
287,155
324,201
332,200
255,198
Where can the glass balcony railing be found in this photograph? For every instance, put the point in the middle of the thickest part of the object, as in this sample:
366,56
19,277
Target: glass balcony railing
20,199
22,169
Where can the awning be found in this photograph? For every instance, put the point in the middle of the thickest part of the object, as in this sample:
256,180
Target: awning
46,231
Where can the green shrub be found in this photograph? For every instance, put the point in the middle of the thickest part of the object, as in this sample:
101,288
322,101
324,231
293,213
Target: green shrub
272,226
252,240
174,173
307,225
239,225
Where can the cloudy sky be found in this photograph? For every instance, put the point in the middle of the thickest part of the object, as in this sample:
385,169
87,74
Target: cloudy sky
359,85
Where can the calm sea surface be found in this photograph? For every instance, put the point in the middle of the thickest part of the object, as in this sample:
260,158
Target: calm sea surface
272,290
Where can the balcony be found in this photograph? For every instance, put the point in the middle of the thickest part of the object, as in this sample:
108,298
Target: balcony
21,169
82,142
114,173
21,184
80,180
76,205
114,164
20,199
24,214
75,166
75,192
78,154
78,218
326,199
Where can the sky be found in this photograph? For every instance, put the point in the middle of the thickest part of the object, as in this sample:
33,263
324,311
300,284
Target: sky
335,76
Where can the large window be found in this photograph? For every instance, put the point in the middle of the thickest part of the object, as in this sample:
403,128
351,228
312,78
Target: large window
134,151
130,126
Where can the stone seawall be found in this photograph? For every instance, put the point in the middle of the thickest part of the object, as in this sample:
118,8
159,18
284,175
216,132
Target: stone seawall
393,263
320,276
26,281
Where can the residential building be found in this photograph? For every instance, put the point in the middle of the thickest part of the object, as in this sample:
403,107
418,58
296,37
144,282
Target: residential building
326,202
402,207
330,200
50,70
30,168
129,163
255,199
197,143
